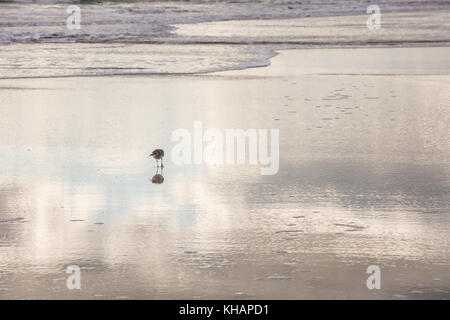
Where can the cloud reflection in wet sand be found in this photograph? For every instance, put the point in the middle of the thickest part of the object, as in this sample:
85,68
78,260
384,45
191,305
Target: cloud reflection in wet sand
357,191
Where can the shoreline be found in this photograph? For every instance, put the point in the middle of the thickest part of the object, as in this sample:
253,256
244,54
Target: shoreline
359,147
362,181
267,63
202,47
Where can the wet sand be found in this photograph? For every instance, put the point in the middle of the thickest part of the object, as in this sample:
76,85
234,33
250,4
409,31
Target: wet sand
363,180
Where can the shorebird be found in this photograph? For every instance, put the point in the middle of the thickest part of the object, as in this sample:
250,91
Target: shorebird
158,154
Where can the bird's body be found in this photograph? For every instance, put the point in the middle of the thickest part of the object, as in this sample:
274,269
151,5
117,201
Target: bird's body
158,154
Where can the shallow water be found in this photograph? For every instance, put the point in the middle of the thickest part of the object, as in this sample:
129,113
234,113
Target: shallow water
363,180
181,37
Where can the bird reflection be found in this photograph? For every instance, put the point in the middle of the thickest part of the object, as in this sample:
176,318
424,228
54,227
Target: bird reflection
158,177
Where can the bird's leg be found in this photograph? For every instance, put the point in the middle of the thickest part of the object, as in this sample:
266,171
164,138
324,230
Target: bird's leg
157,164
162,165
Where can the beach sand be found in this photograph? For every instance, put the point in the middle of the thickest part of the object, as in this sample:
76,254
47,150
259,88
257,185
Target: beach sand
363,180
